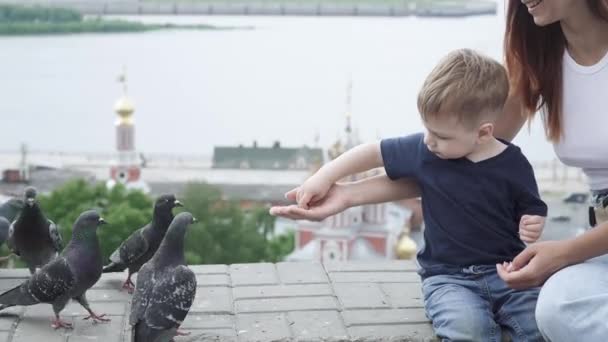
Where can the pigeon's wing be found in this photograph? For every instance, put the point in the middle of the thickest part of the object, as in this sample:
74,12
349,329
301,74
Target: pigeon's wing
131,249
171,299
11,239
143,290
55,236
52,281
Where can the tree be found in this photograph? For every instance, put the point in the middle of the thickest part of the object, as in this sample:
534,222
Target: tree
226,234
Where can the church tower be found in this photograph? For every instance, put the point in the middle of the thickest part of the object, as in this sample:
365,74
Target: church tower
126,168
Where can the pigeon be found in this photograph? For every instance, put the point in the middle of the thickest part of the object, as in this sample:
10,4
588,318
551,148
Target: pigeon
4,227
32,236
165,288
11,208
66,277
138,248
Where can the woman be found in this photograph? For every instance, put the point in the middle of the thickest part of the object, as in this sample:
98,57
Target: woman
557,58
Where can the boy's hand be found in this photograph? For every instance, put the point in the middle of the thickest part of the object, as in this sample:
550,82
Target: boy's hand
313,190
531,227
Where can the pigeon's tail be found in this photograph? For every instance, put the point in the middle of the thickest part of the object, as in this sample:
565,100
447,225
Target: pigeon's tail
114,267
143,333
14,297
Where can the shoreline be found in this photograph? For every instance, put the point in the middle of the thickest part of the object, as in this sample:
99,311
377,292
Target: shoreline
134,7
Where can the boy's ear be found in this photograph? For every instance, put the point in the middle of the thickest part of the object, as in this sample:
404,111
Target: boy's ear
486,132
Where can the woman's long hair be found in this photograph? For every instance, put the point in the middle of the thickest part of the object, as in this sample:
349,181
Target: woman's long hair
534,61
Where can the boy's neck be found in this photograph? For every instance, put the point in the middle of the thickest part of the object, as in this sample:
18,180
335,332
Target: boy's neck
487,150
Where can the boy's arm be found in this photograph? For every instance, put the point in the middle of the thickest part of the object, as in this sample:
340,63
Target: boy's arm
371,190
358,159
530,208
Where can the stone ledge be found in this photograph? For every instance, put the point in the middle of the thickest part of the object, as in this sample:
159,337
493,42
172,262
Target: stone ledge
367,301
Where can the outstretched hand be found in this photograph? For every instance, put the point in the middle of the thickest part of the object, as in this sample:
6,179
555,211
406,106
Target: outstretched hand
534,265
334,201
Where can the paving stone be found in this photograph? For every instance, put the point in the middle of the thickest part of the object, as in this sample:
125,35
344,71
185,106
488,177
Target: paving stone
404,295
112,295
262,327
360,295
39,329
366,266
9,317
385,316
395,332
317,325
213,299
253,274
301,273
87,331
4,336
204,335
270,291
208,321
210,269
285,304
212,280
374,277
109,309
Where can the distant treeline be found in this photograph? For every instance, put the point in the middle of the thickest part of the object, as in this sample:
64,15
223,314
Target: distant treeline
22,20
18,14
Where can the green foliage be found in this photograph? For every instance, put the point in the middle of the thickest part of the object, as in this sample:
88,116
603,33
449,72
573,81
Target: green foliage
22,20
224,233
12,13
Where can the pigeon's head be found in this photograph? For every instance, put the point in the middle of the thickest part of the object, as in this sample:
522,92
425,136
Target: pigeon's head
166,203
30,195
181,222
88,221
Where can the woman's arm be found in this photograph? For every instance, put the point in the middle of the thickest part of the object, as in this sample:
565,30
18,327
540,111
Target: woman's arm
512,119
535,264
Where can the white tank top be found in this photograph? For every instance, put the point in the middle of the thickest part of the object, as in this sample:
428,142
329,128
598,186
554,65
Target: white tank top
584,143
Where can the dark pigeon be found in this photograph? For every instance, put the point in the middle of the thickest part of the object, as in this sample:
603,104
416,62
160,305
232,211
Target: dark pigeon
11,208
165,289
32,236
68,276
4,227
138,248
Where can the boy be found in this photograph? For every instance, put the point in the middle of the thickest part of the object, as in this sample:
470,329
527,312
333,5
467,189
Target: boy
479,197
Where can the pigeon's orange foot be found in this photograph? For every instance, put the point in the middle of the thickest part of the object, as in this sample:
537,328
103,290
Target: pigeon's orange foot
96,318
129,286
58,323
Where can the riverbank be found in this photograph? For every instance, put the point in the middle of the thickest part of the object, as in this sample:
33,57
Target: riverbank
426,8
35,20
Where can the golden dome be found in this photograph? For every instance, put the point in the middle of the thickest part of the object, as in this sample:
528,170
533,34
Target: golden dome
124,107
406,247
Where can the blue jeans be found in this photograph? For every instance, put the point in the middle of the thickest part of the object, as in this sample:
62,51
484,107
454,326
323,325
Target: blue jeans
573,303
474,304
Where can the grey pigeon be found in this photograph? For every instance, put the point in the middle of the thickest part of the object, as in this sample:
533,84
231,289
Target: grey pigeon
68,276
165,288
11,208
4,227
138,248
32,236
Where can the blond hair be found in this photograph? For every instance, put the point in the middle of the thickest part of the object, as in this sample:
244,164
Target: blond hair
465,84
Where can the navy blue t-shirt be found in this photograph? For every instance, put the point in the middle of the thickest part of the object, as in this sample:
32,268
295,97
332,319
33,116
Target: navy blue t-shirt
471,209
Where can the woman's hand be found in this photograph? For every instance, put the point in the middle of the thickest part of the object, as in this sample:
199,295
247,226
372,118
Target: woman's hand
534,265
